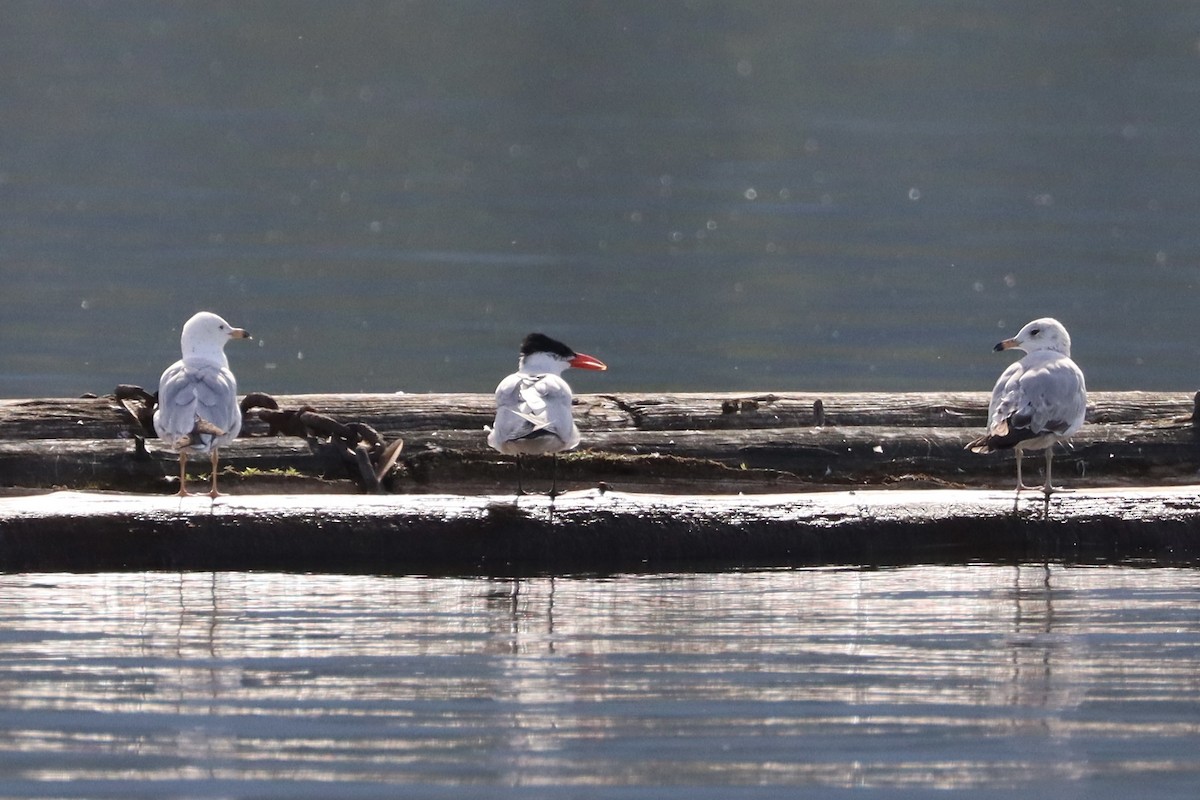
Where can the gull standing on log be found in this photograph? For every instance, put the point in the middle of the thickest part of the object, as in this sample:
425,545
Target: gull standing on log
197,395
533,405
1039,400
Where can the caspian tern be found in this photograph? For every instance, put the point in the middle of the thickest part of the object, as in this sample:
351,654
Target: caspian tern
197,395
533,405
1039,400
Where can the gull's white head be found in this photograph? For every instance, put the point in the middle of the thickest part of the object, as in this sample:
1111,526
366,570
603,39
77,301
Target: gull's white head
204,337
1041,334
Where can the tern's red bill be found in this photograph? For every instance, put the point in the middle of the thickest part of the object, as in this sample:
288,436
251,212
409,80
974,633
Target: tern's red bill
584,361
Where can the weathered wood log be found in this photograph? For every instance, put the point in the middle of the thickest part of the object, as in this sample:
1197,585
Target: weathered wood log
594,532
721,460
710,442
693,411
401,414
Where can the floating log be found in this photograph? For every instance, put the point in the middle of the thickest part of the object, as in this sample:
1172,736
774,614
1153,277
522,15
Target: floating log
594,532
725,481
690,442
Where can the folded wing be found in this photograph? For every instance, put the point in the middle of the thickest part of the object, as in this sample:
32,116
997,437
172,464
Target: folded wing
530,407
1034,398
197,406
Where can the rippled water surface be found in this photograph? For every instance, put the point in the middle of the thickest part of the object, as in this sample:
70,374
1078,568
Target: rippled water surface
1004,681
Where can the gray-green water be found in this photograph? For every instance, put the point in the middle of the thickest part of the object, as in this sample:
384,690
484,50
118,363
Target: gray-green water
1006,681
707,195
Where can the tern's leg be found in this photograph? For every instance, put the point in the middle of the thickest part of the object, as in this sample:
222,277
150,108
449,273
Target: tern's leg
183,492
520,489
553,476
212,457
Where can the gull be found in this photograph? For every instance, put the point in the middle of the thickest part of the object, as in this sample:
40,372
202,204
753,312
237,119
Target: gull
197,395
1039,400
533,404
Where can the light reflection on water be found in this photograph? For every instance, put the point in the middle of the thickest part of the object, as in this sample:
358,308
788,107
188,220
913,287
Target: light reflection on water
998,679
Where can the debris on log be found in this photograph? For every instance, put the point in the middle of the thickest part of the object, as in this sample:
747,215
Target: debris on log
354,448
689,442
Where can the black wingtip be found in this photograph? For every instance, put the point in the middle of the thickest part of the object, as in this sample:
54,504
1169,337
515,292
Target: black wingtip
1001,441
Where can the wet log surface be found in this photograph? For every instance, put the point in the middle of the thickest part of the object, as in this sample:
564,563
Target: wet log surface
594,532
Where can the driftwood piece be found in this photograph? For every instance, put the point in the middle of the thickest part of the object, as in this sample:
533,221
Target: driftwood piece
680,442
594,532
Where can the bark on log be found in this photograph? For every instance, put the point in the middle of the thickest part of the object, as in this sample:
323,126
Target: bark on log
103,417
594,532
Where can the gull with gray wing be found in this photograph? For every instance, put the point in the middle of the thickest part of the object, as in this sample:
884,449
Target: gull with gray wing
197,395
1039,400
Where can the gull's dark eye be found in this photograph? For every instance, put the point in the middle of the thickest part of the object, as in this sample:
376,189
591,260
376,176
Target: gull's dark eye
1035,331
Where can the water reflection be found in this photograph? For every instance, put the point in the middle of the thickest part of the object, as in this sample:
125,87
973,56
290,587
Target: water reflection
1046,678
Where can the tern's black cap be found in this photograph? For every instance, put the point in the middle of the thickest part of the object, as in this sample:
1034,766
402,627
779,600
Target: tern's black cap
541,343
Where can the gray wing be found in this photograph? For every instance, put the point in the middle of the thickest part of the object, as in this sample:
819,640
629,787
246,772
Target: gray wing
1044,395
549,398
508,424
529,405
188,395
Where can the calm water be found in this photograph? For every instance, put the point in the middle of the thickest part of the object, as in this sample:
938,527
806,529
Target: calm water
1005,681
707,195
